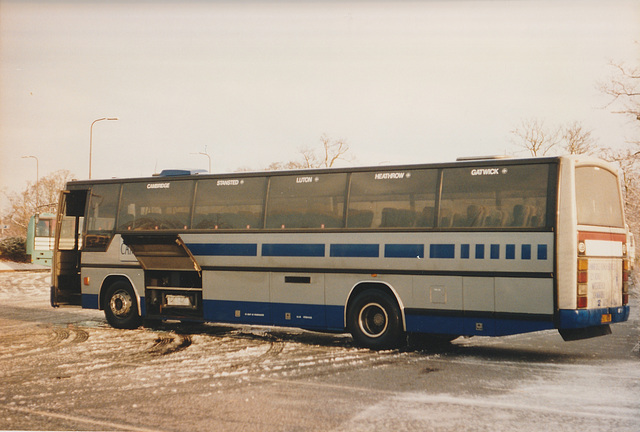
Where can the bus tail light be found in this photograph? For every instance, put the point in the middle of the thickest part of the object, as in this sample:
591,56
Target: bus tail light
583,279
583,270
625,282
582,290
582,302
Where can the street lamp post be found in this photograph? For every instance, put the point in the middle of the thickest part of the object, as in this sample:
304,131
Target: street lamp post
208,156
205,153
37,180
91,138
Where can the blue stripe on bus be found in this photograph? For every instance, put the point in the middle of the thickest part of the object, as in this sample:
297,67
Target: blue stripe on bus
89,301
335,317
542,252
332,318
299,315
473,326
404,251
442,251
143,307
355,250
237,311
224,249
495,251
285,314
293,250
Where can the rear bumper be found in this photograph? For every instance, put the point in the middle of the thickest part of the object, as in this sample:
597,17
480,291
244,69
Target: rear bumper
573,319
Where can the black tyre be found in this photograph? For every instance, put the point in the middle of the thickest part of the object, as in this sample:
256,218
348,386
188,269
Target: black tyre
121,306
375,322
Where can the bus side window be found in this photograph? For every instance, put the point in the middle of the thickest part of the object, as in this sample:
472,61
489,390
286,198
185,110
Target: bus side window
229,203
299,201
426,217
491,198
521,214
495,218
404,199
159,205
101,220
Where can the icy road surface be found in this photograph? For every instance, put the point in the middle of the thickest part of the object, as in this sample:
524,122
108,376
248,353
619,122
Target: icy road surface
66,369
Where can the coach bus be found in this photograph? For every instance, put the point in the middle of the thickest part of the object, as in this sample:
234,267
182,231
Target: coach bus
40,238
475,247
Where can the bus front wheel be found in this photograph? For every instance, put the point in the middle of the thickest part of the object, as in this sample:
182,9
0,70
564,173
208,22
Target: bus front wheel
374,321
121,306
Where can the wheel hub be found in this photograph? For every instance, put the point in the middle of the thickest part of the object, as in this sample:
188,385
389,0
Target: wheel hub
121,303
373,320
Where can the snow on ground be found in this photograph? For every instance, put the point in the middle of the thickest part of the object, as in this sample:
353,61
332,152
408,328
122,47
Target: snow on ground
16,266
512,393
32,286
562,397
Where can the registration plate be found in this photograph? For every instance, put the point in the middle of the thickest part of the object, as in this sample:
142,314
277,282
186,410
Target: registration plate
178,300
606,318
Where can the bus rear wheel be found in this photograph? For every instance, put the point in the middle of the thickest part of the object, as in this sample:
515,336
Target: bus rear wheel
121,306
375,322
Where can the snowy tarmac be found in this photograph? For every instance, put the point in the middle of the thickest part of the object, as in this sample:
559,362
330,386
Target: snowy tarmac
66,369
16,266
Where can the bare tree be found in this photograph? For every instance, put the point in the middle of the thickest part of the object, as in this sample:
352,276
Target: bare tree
539,140
276,166
577,140
535,137
624,89
326,156
629,163
23,205
331,152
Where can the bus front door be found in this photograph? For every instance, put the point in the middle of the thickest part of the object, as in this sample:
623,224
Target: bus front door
66,284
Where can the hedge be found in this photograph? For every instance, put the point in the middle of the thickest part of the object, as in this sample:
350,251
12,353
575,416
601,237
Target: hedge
14,249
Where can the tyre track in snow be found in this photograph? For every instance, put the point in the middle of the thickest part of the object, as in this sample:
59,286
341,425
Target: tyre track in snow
41,341
209,350
242,354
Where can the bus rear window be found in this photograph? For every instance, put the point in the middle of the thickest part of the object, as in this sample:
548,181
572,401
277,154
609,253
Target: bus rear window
597,197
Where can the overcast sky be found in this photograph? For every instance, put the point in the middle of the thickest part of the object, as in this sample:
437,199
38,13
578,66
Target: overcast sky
253,82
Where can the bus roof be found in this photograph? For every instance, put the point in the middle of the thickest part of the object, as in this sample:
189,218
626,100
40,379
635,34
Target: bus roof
482,161
311,171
